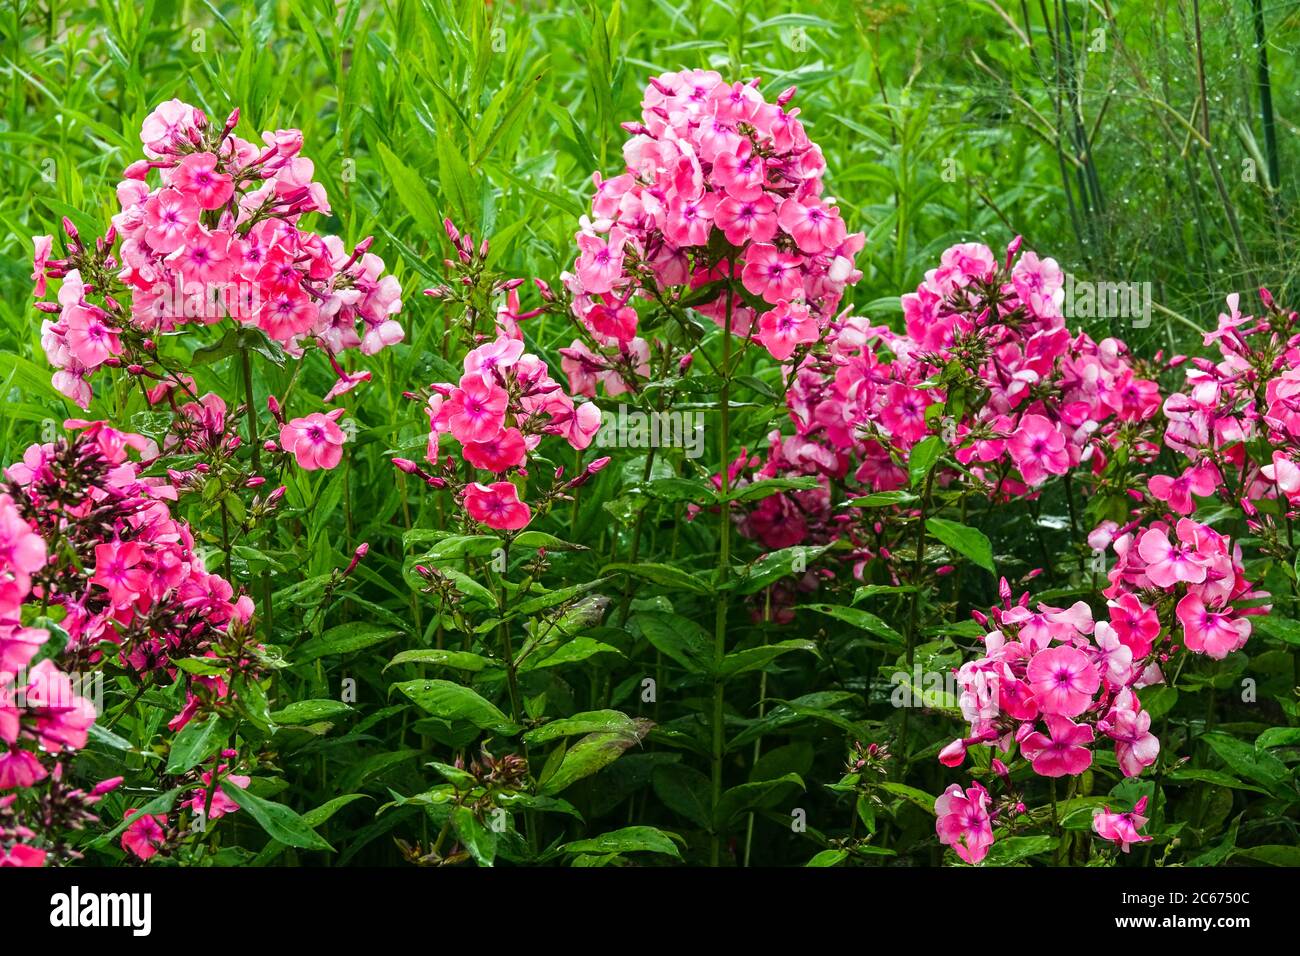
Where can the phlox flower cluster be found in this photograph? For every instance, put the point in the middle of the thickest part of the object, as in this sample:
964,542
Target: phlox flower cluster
720,208
1251,395
123,570
1058,684
217,235
1192,570
499,411
43,718
985,363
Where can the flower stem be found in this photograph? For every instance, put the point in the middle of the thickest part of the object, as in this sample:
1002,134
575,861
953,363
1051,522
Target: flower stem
724,565
250,411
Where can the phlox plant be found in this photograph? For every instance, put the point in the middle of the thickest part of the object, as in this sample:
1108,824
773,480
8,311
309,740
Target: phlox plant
206,260
575,652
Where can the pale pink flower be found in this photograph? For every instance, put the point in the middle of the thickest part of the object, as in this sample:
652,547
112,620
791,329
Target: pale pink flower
1122,828
962,821
785,328
1063,680
315,441
197,175
1064,753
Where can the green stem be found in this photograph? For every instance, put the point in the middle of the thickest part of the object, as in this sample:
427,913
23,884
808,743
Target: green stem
724,564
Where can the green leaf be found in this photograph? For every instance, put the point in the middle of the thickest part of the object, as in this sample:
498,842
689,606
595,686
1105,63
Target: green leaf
680,638
676,489
965,540
457,660
451,701
587,722
343,639
279,822
883,499
1284,629
922,458
627,840
759,794
197,741
478,839
309,711
775,565
1278,737
754,658
856,617
1259,766
912,795
413,195
588,756
1271,855
1009,851
766,487
573,651
666,575
685,791
828,858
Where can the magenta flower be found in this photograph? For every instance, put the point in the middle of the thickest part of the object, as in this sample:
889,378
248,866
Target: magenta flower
20,854
600,263
1064,753
499,454
772,274
1169,563
197,175
815,227
20,768
1038,449
1213,633
168,215
1136,748
497,505
786,327
746,220
1122,828
476,410
501,353
89,338
117,571
963,823
1202,479
315,441
41,255
1063,680
63,719
145,834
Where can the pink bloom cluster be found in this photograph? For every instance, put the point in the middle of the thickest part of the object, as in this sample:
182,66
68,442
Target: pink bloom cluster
1199,567
136,587
721,189
1056,682
146,834
216,237
504,405
1251,393
42,716
1022,399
